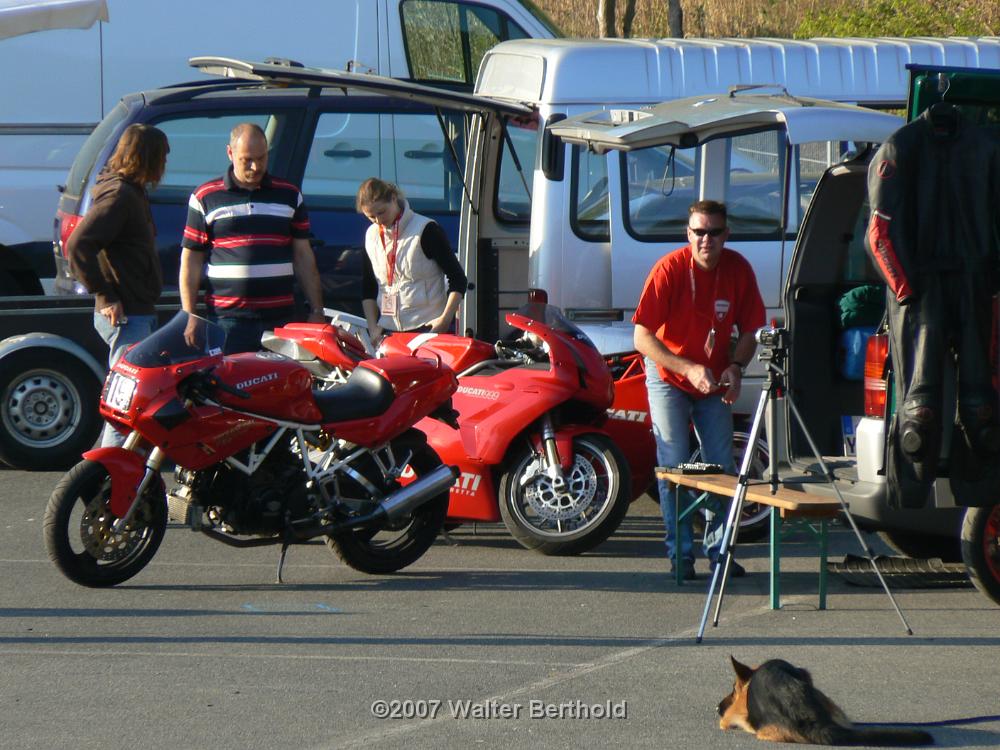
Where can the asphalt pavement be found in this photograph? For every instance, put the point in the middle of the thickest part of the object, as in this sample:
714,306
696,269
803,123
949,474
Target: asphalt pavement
479,644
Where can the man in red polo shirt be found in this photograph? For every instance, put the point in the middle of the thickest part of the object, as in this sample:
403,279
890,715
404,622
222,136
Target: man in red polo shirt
695,300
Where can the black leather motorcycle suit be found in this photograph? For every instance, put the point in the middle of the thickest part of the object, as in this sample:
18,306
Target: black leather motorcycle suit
934,234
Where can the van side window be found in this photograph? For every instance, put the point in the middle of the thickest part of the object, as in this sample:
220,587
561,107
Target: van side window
446,41
424,165
590,202
754,188
513,194
344,153
198,149
660,184
407,149
811,160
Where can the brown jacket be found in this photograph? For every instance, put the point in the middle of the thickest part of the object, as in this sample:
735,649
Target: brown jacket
112,251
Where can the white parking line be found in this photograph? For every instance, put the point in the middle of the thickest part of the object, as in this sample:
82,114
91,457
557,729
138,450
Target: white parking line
531,688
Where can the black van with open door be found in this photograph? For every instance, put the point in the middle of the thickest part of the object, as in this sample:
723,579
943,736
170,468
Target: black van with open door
839,366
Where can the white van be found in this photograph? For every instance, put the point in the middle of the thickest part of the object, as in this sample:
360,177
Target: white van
581,224
58,85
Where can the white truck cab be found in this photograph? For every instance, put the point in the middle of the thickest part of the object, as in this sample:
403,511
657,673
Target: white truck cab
587,225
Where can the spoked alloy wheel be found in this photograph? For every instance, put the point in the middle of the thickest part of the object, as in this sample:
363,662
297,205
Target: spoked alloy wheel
392,548
572,519
79,534
981,549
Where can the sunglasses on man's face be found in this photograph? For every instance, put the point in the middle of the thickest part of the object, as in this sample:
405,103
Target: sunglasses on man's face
714,232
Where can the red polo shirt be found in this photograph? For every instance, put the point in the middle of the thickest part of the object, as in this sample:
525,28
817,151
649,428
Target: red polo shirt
681,303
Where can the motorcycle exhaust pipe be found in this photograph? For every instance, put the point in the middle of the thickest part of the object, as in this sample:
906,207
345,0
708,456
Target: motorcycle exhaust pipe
406,499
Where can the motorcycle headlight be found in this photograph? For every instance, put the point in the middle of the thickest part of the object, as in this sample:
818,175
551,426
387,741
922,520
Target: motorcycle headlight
119,392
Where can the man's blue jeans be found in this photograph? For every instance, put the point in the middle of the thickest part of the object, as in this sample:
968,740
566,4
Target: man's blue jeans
243,333
119,338
672,411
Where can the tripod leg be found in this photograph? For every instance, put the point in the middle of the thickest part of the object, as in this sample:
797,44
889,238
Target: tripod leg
725,560
735,511
847,513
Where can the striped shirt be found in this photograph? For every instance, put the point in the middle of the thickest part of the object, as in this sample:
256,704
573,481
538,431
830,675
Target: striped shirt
248,235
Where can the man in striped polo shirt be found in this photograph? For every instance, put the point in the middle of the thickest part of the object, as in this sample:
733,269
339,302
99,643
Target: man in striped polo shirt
253,230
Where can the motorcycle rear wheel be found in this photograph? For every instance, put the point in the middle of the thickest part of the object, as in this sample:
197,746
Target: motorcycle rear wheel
78,533
598,496
387,550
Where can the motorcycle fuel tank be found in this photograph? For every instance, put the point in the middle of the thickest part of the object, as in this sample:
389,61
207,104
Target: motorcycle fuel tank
277,386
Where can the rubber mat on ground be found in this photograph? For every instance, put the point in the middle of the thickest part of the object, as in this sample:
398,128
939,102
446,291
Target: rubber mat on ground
901,572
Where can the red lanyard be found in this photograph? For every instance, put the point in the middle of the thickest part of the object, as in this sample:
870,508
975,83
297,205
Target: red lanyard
715,288
710,339
390,255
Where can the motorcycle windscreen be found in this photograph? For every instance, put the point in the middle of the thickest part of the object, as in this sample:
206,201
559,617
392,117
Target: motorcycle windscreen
553,317
169,345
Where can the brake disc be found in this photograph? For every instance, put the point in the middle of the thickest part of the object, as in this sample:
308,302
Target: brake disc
554,504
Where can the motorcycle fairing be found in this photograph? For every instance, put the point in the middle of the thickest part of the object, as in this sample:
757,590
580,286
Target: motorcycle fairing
457,352
329,343
126,470
629,424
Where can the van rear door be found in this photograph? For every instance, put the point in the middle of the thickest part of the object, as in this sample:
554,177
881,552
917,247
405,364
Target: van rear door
362,82
761,154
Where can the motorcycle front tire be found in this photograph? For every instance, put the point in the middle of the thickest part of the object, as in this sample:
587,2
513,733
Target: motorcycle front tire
78,534
981,549
387,550
542,520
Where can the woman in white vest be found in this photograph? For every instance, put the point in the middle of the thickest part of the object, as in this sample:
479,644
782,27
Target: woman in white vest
411,279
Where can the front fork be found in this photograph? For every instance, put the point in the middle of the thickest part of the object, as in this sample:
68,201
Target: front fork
153,463
553,466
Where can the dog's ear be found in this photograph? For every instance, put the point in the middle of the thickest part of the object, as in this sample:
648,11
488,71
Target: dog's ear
743,672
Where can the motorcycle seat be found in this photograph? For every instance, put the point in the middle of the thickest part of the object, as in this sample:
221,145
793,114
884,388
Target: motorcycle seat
365,394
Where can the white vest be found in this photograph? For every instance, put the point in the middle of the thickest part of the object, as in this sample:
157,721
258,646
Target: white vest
418,282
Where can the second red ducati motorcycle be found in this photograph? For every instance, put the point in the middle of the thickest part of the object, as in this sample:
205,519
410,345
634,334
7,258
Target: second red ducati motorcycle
532,446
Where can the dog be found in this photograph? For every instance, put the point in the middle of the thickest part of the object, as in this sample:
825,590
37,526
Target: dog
778,702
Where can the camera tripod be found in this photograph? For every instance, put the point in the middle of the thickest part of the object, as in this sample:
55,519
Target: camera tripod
773,356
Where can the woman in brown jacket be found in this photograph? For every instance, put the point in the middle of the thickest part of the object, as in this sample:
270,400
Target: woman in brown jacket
112,251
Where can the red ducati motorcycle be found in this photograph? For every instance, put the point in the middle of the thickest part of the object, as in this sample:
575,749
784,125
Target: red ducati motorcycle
261,458
532,443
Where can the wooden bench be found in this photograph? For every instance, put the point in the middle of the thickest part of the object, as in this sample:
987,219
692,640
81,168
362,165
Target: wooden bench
786,505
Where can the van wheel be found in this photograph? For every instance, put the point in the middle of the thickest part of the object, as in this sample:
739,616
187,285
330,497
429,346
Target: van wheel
923,546
48,409
981,549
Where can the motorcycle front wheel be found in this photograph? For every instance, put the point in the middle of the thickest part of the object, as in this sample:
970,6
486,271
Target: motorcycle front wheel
392,548
78,528
981,549
568,521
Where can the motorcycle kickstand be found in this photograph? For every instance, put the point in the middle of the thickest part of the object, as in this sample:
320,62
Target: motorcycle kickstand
281,559
452,541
